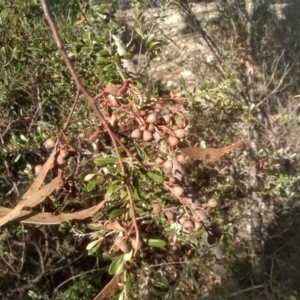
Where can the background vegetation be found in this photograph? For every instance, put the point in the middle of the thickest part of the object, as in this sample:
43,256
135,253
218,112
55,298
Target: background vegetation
248,91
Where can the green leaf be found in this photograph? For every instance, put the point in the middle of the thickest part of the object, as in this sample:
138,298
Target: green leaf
18,157
96,228
156,243
115,265
155,177
104,53
91,185
117,212
111,189
127,56
223,95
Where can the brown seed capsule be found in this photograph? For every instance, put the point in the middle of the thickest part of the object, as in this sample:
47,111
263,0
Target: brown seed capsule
72,151
50,143
182,220
212,203
136,134
214,225
173,141
170,216
37,169
151,118
180,158
180,133
177,191
60,160
159,161
156,208
167,118
187,226
172,180
217,232
151,127
147,136
198,225
138,245
121,244
167,167
64,154
211,239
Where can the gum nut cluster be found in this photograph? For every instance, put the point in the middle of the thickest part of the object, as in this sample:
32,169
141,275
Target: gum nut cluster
153,122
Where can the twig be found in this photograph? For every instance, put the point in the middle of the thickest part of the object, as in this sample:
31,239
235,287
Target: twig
247,290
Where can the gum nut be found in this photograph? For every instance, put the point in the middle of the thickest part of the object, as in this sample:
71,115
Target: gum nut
212,202
173,141
159,161
167,118
172,180
167,167
198,225
125,247
72,151
182,220
50,143
118,241
147,136
63,153
177,191
156,208
211,239
214,225
187,226
151,118
169,216
60,160
136,134
137,246
180,158
37,169
180,133
217,232
151,127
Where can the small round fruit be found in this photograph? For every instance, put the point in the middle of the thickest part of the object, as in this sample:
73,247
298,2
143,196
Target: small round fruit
177,191
121,244
198,225
151,127
156,208
182,220
72,151
180,133
147,136
180,158
138,245
125,247
159,161
136,134
151,119
60,160
50,143
212,203
217,232
64,154
173,141
169,215
118,241
167,167
214,225
172,180
187,226
211,239
37,169
167,118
